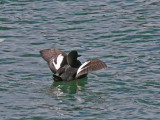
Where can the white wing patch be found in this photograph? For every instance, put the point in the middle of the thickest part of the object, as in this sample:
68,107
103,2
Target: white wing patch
59,61
81,67
2,39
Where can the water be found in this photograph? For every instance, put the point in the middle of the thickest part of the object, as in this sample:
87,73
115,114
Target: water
124,34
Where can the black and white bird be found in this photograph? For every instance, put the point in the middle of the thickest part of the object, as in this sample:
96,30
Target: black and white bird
68,67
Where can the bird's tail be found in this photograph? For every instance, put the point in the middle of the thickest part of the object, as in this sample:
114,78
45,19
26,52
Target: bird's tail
57,78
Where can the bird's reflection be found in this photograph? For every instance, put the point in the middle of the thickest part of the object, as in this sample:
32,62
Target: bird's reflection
71,87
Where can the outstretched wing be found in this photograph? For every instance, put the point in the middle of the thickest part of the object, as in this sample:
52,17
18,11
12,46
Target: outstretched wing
90,66
47,54
55,58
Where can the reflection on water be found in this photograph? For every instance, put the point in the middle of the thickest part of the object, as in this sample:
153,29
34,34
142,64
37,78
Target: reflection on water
71,87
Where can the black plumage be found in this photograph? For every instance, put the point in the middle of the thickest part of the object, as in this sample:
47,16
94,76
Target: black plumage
68,67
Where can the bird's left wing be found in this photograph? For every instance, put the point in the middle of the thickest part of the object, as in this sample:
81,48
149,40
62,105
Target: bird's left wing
48,54
55,58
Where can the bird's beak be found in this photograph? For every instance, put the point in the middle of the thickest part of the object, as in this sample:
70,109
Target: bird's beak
79,55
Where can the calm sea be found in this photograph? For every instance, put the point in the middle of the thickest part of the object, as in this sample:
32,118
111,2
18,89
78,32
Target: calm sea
125,34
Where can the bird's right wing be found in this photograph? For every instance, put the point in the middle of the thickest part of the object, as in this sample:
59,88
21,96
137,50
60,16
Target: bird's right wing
90,66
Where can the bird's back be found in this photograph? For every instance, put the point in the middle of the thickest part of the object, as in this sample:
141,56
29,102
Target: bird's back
69,74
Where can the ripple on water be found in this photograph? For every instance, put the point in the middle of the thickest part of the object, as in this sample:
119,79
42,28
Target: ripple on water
124,34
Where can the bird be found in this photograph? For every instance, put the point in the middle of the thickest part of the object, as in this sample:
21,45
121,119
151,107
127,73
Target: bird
66,67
